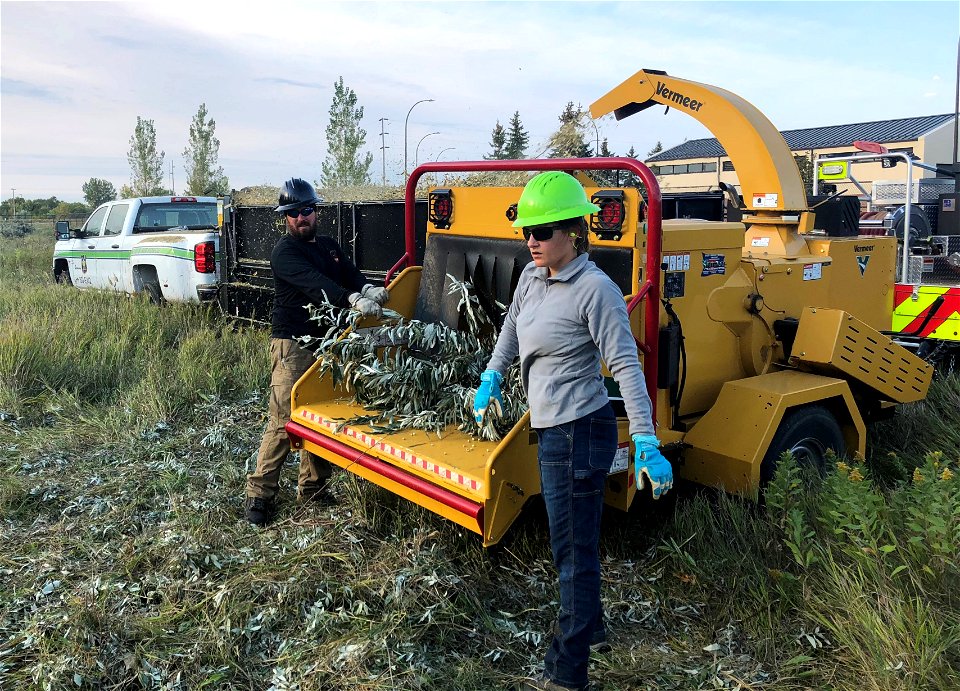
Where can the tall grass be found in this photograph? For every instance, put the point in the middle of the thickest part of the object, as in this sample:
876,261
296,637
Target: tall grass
114,359
125,434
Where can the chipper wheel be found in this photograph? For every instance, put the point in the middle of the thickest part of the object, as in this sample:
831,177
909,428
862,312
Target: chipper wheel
807,433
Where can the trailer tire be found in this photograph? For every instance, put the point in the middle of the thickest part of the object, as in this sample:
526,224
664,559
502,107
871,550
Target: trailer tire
807,432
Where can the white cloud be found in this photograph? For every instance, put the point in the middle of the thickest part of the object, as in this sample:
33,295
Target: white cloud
77,75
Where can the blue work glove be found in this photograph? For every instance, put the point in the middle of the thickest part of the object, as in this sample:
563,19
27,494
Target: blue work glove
649,462
488,393
379,295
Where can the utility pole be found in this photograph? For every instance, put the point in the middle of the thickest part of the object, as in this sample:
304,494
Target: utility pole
173,187
383,153
13,201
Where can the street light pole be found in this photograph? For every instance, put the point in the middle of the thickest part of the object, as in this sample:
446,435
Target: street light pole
436,178
416,153
407,120
383,152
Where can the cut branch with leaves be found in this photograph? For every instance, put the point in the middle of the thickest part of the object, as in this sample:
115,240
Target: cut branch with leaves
410,374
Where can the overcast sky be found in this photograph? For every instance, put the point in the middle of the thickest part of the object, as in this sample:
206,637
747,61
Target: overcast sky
75,75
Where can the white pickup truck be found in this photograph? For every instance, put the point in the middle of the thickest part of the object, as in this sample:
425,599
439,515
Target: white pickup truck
166,247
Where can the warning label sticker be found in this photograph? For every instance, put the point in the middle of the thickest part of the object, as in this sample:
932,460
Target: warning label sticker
812,272
765,200
713,264
760,242
621,458
677,262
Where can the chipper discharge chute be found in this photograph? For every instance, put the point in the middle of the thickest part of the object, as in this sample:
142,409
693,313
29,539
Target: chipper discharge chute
756,337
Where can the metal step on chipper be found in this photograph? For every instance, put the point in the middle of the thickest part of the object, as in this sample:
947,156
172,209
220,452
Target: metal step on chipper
756,337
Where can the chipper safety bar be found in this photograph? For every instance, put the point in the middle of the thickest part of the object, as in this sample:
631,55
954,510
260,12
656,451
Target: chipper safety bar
483,485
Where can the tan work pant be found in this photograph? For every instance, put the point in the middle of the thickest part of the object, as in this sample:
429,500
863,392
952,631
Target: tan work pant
288,362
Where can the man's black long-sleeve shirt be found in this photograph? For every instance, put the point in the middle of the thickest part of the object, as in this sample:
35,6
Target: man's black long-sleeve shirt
309,272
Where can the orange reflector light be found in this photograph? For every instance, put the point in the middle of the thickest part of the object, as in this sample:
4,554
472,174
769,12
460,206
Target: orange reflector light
440,205
607,223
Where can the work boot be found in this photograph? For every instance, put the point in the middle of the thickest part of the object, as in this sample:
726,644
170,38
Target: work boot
545,683
258,510
598,642
312,493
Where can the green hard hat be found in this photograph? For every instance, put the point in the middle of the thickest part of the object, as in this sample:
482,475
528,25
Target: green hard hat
551,197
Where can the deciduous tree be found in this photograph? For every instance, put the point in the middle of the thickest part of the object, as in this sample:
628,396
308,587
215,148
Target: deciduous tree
96,191
204,176
345,164
146,163
72,209
805,166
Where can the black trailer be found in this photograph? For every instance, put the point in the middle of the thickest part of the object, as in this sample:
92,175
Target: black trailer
371,234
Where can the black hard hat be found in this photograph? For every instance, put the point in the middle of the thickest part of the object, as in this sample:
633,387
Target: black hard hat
297,192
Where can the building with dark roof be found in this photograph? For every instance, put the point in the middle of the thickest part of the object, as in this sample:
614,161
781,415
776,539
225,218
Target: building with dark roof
702,164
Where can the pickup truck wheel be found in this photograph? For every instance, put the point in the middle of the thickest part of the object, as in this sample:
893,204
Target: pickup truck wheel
152,289
808,433
62,277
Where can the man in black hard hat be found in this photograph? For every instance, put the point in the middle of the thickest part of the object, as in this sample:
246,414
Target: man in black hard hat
307,268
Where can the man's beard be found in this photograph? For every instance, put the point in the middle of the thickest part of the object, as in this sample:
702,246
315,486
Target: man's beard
305,232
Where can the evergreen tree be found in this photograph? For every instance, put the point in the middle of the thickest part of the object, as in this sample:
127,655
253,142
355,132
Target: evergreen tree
97,192
606,177
497,140
345,165
146,164
658,147
204,176
569,140
630,179
517,138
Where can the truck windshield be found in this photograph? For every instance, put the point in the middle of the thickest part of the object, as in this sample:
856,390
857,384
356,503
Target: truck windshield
188,215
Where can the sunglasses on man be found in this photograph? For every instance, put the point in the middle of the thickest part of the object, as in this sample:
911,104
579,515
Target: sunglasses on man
305,211
541,233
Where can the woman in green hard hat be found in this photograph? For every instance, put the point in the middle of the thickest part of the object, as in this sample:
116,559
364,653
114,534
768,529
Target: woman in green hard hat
566,316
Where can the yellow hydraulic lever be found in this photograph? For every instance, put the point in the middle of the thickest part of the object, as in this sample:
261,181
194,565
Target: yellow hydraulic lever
769,178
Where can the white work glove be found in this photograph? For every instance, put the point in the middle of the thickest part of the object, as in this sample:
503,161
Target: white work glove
365,306
377,294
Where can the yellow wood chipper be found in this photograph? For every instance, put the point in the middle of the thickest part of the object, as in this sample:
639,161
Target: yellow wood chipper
756,337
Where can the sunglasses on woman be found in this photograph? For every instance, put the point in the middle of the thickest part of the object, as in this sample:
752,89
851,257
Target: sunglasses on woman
305,211
541,233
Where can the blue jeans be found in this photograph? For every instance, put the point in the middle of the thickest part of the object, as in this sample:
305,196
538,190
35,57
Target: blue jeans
575,458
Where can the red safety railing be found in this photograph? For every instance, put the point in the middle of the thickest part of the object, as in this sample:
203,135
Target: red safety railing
650,289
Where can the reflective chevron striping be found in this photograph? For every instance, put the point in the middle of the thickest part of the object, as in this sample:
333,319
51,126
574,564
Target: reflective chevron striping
909,313
398,453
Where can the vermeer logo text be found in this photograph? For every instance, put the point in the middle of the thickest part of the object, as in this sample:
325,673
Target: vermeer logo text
677,97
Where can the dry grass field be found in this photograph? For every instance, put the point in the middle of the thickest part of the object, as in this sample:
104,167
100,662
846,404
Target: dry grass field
125,434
